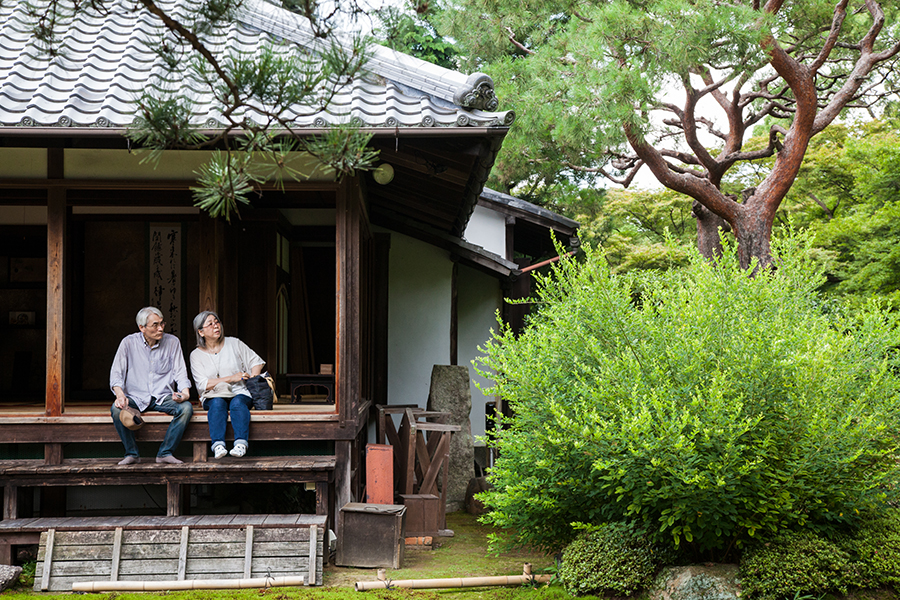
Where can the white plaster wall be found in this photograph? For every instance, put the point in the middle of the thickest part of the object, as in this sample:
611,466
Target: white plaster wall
479,299
418,318
24,163
487,229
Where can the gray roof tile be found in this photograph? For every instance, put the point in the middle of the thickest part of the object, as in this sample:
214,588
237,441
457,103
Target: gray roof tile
105,64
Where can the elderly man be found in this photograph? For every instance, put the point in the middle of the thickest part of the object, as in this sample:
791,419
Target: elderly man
148,366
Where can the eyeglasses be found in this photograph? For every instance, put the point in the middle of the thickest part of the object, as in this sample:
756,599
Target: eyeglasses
160,325
210,325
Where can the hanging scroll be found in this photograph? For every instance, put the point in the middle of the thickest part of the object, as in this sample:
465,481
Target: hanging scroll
165,283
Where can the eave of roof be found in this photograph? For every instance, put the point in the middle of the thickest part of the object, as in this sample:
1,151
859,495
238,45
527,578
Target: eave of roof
526,210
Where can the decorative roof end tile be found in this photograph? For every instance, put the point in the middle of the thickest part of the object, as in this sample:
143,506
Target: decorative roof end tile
478,92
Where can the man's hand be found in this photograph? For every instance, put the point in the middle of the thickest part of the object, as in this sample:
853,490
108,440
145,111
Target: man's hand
121,401
181,396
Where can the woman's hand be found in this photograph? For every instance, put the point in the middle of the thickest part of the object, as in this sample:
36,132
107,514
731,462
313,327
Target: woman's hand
237,377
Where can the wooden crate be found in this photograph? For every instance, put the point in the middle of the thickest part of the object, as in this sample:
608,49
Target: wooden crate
66,557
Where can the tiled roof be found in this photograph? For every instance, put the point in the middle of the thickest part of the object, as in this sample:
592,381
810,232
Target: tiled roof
105,64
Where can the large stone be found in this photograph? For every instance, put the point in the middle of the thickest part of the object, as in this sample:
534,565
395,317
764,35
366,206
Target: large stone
474,506
9,576
450,393
697,582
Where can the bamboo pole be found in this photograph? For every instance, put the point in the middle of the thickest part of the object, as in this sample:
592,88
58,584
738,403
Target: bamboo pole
186,584
453,582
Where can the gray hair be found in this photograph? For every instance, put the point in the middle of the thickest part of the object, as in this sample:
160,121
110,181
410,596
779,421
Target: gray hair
145,313
199,320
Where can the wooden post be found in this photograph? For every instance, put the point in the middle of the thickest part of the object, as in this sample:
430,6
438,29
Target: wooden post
212,253
10,502
341,478
53,454
56,346
348,367
173,499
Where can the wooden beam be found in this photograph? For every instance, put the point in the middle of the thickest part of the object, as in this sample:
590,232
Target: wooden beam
212,253
56,342
348,290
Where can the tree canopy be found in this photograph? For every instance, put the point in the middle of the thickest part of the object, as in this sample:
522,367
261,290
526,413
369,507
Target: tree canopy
602,89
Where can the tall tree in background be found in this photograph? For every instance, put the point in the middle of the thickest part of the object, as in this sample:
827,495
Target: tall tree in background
264,86
605,88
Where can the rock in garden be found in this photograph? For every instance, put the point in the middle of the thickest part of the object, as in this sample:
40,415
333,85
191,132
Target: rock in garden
9,576
450,393
697,582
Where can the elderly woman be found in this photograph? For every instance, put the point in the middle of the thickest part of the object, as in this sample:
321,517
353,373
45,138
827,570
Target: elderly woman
221,365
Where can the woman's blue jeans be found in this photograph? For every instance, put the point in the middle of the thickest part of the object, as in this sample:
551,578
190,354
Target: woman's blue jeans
217,416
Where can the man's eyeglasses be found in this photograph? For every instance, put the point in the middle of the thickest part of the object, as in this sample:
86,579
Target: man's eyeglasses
160,325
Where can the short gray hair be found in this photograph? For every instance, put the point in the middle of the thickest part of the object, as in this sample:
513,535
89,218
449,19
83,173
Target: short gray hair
199,320
145,313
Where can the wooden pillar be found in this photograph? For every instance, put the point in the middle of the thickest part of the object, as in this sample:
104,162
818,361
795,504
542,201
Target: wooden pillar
53,454
212,254
10,501
173,499
348,368
341,478
56,354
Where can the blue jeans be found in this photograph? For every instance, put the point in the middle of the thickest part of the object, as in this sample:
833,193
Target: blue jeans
181,415
217,415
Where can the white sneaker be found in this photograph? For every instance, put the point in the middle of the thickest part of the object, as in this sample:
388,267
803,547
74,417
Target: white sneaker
239,450
219,451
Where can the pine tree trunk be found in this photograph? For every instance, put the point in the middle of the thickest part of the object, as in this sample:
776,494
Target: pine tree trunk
709,226
753,231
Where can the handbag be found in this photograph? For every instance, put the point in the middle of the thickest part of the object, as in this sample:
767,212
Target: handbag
262,391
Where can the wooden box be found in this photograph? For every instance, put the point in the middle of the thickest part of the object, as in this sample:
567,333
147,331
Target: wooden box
423,514
371,535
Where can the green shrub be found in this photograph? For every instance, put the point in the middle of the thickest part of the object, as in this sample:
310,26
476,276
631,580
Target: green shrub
796,563
876,547
610,560
706,406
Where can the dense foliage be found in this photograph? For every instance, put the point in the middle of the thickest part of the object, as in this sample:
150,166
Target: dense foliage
703,405
807,563
610,560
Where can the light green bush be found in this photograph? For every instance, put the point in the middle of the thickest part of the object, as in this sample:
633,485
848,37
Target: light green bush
610,560
706,406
